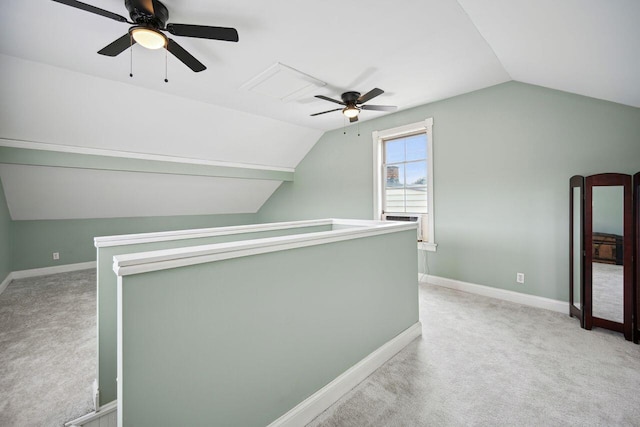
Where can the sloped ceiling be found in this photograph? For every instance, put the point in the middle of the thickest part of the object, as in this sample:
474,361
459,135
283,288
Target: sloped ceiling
588,47
57,90
138,194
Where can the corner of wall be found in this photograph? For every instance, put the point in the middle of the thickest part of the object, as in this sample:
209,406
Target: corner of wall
5,238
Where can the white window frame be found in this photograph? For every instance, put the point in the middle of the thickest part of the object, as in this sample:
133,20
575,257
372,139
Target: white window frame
378,137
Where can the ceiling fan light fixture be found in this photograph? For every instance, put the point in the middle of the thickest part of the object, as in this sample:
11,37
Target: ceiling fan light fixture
148,37
351,111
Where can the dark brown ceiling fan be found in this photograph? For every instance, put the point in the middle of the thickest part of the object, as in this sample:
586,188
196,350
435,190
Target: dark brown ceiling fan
149,18
353,103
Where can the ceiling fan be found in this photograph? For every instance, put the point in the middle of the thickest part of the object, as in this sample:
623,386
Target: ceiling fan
149,18
353,103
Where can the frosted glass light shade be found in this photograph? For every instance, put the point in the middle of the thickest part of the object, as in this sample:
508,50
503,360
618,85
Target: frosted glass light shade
151,39
351,111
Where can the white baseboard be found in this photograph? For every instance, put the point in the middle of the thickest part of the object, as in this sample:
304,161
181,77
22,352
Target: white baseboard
6,282
108,410
21,274
502,294
318,402
315,404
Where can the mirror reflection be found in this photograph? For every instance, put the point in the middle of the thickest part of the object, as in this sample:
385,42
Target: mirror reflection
607,266
577,249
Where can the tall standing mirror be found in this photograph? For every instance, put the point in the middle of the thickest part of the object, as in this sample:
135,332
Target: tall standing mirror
576,248
609,245
636,288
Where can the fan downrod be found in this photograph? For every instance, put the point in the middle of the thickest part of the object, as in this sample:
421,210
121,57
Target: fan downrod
157,17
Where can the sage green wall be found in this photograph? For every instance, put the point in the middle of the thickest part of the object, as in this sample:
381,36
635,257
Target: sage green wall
503,158
5,237
35,241
248,353
108,285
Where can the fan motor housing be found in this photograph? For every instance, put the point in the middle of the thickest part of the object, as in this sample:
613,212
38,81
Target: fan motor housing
350,97
157,17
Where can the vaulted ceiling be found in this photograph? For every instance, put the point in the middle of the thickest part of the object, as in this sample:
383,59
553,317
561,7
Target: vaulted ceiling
56,89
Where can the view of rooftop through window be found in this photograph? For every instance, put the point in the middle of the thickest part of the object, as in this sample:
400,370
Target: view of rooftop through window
405,162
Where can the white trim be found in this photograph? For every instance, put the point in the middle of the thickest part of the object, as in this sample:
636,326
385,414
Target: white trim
377,171
377,138
6,282
420,126
102,412
318,402
21,274
119,356
501,294
144,262
426,246
30,145
95,393
134,239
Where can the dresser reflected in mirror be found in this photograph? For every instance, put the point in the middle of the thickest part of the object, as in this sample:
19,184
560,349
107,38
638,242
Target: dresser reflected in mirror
607,253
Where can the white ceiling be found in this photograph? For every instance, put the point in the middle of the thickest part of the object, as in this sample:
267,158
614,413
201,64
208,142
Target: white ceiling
56,89
50,105
417,51
588,47
36,192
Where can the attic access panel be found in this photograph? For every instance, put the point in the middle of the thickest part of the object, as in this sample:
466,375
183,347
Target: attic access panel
282,82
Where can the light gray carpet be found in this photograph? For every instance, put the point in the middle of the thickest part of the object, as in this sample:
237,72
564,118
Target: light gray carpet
484,362
479,362
47,349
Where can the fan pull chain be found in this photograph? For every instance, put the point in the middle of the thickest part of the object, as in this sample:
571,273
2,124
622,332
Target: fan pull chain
358,128
344,125
166,59
130,55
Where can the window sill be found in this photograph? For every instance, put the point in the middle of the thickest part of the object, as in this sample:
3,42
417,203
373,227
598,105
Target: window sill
425,246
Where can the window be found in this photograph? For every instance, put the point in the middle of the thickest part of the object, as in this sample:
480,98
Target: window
403,181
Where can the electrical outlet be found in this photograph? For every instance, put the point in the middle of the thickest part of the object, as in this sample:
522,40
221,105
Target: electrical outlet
520,277
56,255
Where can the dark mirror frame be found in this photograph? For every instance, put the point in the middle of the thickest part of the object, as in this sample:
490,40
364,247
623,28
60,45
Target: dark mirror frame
636,195
578,312
610,179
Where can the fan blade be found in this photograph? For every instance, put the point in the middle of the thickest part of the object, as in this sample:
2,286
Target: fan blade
92,9
184,56
353,119
118,46
379,107
330,100
329,111
369,95
204,32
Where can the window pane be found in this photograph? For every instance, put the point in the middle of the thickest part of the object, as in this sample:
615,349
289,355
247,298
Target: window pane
416,173
394,198
416,199
416,147
395,176
394,151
